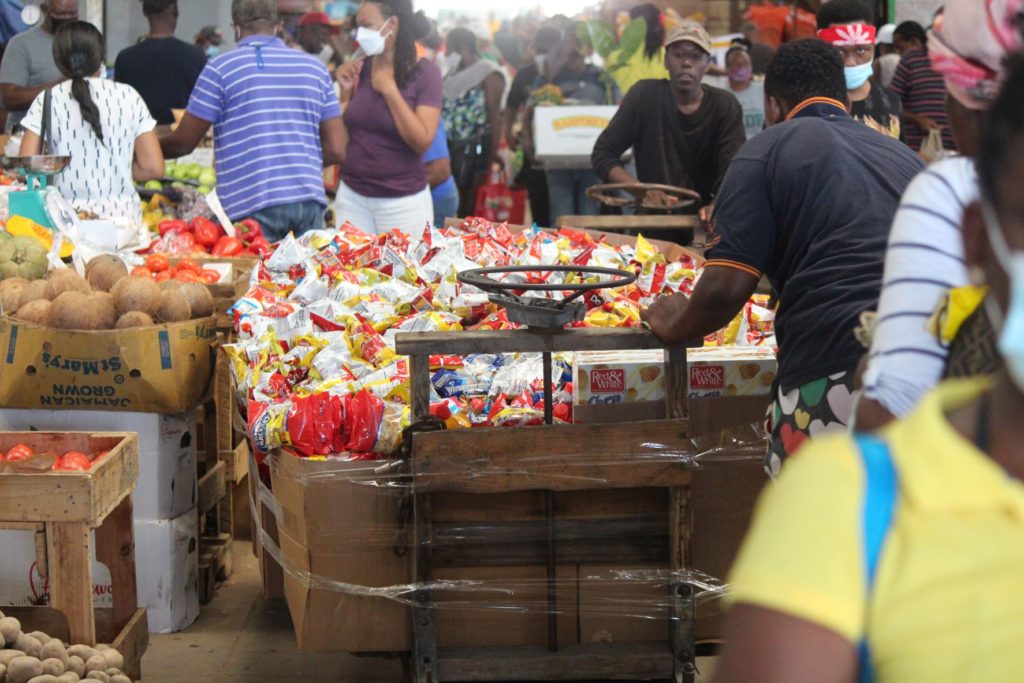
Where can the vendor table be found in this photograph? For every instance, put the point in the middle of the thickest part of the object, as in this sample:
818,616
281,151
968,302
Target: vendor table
68,507
558,460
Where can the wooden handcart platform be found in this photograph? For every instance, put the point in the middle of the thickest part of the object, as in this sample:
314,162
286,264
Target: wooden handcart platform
612,469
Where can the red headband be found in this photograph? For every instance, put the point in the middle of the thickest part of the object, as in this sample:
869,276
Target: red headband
851,34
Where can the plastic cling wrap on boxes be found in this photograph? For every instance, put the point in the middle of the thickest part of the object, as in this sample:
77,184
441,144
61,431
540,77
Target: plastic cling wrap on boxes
345,533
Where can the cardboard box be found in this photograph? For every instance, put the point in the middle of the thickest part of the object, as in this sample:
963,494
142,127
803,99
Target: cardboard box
731,371
602,377
167,571
166,487
22,583
566,135
332,526
161,369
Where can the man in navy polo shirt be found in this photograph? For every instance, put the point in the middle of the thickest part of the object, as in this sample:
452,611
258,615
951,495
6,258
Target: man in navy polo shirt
807,203
276,123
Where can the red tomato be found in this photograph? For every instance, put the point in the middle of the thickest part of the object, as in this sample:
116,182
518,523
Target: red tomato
2,456
260,246
73,461
19,453
164,276
172,226
157,263
188,264
186,276
141,271
206,231
228,246
210,277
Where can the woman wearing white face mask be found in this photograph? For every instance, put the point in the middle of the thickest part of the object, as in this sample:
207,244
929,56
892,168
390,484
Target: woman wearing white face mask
472,114
392,104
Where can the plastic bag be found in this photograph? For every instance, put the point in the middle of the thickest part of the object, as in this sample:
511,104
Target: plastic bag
497,202
932,149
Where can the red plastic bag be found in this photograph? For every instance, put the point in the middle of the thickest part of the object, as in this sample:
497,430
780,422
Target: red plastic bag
499,203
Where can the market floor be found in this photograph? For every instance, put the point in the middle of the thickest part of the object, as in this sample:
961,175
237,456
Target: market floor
240,637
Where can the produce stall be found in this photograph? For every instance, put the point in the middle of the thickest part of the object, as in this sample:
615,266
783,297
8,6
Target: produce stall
479,549
67,487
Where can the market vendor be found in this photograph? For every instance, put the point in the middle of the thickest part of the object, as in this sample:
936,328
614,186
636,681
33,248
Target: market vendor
276,123
683,133
808,204
900,558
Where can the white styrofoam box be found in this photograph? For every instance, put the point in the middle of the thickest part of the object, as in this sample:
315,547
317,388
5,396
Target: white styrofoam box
21,584
167,451
167,568
566,135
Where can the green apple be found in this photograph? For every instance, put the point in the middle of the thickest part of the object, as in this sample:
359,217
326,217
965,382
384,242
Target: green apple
204,190
154,185
207,177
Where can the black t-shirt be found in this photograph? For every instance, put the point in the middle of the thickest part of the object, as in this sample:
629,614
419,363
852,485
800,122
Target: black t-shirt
164,71
809,204
881,110
522,86
703,131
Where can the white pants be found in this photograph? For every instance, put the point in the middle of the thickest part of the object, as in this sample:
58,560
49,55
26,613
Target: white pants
377,215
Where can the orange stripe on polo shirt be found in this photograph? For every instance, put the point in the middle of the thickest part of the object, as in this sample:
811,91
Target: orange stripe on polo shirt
814,100
734,264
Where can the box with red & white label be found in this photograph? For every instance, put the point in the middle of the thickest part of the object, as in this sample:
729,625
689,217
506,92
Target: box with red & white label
618,377
731,371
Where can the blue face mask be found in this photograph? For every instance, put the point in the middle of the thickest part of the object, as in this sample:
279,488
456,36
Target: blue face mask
856,76
1009,325
212,51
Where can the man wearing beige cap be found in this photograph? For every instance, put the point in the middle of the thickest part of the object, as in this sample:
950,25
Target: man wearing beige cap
683,133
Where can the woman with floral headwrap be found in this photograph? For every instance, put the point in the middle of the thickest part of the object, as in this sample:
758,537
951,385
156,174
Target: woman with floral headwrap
925,259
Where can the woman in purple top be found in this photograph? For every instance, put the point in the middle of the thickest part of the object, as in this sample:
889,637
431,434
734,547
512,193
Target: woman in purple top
392,105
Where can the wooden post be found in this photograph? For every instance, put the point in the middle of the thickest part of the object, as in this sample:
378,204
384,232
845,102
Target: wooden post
115,547
70,577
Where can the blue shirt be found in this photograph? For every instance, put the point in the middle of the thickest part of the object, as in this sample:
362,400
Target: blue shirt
266,103
439,150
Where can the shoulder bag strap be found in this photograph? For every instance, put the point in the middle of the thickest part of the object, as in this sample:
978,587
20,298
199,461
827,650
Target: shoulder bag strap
44,129
881,491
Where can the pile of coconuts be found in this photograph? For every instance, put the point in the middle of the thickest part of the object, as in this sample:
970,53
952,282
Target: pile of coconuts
38,658
105,299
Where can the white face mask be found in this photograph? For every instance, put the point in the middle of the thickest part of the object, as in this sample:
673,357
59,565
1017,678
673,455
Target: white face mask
453,60
372,42
1010,325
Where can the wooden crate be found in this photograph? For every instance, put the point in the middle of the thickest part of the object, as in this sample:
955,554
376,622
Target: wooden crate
70,506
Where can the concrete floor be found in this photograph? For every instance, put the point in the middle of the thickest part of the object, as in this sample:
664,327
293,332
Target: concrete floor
240,637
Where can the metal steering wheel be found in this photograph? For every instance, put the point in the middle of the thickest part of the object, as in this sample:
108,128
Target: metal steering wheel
543,313
608,195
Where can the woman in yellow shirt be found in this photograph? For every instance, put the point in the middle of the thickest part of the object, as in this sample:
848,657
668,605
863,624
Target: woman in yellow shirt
901,557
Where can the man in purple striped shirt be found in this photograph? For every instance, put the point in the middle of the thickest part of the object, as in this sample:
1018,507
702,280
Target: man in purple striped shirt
276,123
921,88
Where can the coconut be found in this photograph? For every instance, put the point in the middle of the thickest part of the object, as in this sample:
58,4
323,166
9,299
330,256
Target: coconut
33,291
10,292
72,311
101,259
106,273
173,307
34,312
106,310
200,300
171,284
133,319
65,280
138,294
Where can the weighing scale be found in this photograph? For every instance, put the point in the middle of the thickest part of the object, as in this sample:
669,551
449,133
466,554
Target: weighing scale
47,209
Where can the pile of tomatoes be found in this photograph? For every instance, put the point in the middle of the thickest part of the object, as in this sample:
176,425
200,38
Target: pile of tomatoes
202,236
186,269
72,461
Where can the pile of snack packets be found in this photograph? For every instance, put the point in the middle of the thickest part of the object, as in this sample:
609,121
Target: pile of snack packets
315,364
